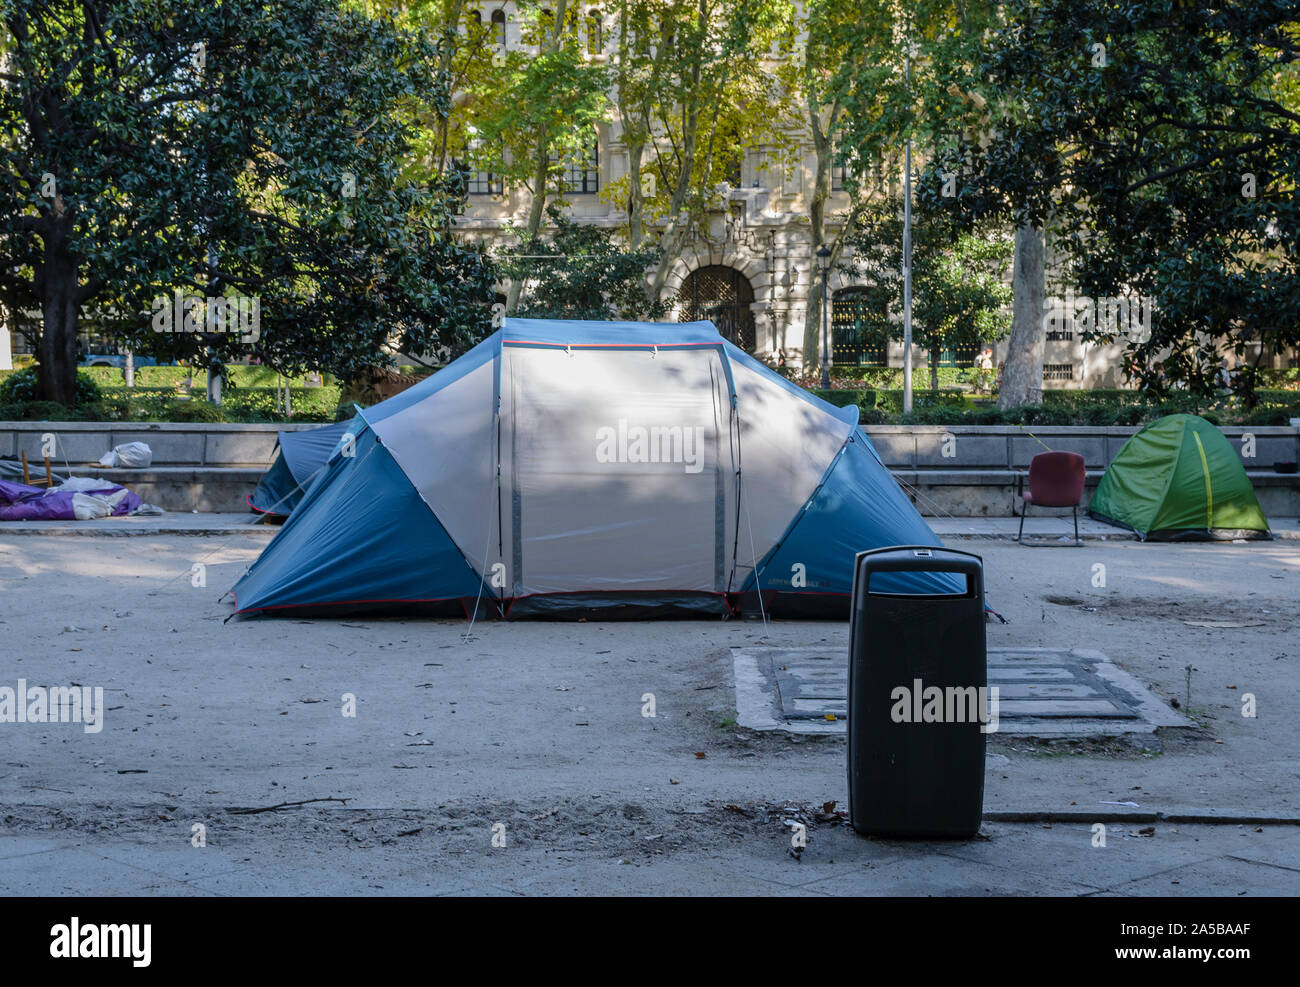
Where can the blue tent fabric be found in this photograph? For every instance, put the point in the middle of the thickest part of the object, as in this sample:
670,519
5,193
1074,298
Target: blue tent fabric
307,451
858,505
277,491
301,456
350,545
591,470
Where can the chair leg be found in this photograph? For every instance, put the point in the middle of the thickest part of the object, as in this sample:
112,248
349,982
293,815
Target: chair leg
1023,508
1077,543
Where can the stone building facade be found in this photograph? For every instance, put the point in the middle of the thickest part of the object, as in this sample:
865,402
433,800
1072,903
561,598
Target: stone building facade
751,266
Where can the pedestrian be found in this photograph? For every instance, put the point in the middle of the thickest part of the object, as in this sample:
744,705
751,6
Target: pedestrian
1223,377
984,371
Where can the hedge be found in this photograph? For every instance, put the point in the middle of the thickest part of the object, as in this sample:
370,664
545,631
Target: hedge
176,376
160,404
20,386
1100,407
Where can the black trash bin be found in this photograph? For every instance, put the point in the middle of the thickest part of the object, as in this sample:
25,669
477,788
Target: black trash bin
912,773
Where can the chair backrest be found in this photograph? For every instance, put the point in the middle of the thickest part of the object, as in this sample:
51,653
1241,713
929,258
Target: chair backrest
1056,479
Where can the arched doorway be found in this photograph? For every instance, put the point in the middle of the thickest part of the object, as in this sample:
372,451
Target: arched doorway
724,295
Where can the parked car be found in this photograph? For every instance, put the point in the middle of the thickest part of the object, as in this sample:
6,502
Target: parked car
115,360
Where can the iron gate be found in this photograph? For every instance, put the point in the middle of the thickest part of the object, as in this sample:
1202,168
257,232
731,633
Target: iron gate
723,295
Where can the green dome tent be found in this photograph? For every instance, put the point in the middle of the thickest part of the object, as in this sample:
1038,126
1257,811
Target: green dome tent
1179,479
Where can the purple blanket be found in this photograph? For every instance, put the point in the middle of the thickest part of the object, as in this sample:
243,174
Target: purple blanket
19,502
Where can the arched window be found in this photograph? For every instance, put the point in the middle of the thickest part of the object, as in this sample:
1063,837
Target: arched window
546,23
595,33
499,28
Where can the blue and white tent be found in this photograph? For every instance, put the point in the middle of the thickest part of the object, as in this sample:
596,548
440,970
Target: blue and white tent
302,455
608,469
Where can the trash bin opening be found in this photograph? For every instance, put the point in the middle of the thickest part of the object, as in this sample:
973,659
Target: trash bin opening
965,594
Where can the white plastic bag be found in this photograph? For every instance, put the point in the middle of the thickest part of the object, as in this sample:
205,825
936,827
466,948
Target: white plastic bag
133,455
80,484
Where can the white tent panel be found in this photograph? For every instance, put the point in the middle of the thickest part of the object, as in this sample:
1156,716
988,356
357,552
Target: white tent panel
446,445
616,455
786,445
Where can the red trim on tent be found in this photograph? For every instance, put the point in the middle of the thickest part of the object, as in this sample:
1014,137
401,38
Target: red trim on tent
729,599
608,346
248,499
345,603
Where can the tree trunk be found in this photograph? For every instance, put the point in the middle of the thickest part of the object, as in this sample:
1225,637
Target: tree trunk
541,161
57,352
824,151
635,198
1022,377
541,170
452,26
823,138
670,241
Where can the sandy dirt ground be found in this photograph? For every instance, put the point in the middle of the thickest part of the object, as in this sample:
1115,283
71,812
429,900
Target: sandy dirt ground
533,733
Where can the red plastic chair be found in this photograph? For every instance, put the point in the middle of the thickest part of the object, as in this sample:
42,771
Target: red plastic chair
1055,480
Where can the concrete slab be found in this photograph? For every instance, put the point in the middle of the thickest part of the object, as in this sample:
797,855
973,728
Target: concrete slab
897,450
1091,447
76,871
961,451
1050,692
70,447
1220,877
538,723
168,448
171,523
22,846
240,449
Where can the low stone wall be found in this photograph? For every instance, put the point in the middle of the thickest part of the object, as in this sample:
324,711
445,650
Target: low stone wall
985,447
995,493
186,488
173,443
963,470
972,470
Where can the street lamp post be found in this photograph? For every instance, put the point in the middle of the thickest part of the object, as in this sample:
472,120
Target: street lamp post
907,252
824,265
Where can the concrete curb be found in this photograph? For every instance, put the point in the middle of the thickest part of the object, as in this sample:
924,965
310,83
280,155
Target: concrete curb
1278,535
99,529
1112,814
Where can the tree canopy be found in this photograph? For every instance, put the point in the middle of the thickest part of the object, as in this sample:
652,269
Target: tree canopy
245,154
1159,144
